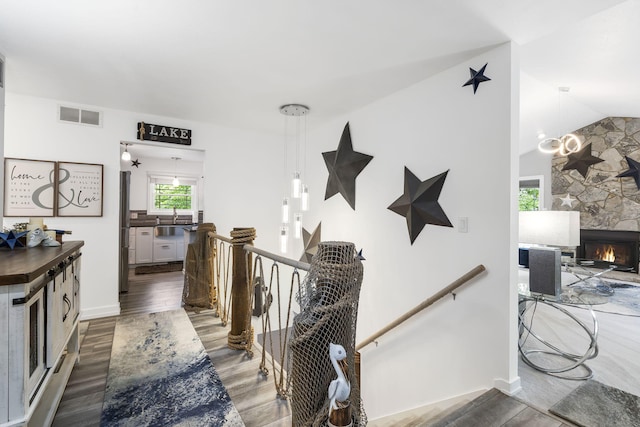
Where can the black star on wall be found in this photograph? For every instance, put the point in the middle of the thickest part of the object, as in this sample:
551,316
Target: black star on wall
419,203
135,163
344,165
311,241
477,77
633,171
581,161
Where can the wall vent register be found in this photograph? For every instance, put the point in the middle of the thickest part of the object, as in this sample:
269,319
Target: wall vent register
1,73
80,116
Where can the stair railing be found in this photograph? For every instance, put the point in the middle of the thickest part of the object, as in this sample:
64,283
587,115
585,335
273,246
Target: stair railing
424,304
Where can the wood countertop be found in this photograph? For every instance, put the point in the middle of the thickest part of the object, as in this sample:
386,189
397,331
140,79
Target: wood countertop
22,265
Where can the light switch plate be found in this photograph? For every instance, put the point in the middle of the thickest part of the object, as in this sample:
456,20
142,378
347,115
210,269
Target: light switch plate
463,224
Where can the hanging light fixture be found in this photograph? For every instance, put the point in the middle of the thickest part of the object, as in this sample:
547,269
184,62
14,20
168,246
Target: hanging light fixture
175,181
126,156
566,144
299,190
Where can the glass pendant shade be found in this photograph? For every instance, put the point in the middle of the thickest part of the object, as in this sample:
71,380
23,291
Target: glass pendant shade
285,210
126,156
283,239
175,181
304,202
296,185
297,225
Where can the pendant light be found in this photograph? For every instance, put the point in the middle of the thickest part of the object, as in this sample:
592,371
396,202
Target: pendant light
564,145
298,190
175,181
126,156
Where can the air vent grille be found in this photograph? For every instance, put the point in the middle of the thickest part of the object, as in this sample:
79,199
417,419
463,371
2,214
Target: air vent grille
1,73
80,116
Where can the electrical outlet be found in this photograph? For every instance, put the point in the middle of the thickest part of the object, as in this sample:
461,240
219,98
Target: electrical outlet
463,224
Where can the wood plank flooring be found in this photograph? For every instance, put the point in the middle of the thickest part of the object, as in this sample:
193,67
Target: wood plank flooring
253,394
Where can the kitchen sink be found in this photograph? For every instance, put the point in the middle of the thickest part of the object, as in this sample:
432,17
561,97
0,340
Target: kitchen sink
169,229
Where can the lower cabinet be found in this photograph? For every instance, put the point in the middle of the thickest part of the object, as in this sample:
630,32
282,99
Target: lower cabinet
164,251
144,245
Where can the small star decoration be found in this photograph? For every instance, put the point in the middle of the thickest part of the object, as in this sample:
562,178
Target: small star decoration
477,77
135,163
344,165
419,203
11,238
311,241
581,161
567,201
633,171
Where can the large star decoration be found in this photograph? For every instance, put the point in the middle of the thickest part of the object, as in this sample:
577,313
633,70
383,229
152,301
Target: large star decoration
311,242
633,171
135,163
581,161
344,165
477,77
419,203
11,239
567,201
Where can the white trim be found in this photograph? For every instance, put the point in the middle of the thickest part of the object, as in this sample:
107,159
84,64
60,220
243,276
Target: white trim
507,387
98,312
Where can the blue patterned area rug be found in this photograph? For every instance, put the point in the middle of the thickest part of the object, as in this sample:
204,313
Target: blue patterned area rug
160,375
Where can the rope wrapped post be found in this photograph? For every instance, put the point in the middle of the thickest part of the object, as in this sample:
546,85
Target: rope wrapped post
240,336
329,305
199,286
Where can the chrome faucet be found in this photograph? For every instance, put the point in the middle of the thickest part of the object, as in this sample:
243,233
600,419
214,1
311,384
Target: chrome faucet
175,216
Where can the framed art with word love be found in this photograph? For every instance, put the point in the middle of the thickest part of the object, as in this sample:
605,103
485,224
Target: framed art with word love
80,188
29,187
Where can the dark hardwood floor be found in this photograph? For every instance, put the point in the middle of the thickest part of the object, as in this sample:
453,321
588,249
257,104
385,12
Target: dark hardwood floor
253,395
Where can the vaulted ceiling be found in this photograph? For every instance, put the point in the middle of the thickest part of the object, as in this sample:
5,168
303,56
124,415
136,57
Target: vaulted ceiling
235,62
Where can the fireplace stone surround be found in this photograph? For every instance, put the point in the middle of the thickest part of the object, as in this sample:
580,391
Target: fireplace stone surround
609,205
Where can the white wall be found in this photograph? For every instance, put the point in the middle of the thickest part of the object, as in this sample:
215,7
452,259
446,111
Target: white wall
33,132
453,348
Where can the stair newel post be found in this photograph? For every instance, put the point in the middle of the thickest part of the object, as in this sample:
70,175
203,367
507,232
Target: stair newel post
240,336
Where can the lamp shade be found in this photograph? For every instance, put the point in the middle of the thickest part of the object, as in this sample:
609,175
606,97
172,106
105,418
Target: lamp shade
553,228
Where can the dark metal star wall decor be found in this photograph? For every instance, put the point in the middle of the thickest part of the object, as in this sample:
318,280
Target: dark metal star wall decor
581,161
344,165
633,171
477,77
311,241
419,203
135,163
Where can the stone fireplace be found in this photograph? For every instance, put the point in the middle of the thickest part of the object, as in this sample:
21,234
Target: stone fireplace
609,205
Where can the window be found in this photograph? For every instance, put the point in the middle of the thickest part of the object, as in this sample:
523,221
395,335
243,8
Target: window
530,195
164,196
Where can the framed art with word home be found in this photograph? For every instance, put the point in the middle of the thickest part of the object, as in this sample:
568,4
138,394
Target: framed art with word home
80,188
29,187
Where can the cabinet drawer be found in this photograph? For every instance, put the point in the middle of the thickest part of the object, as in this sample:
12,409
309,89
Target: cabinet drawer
164,251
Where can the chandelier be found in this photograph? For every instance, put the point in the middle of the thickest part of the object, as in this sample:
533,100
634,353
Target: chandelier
564,145
299,202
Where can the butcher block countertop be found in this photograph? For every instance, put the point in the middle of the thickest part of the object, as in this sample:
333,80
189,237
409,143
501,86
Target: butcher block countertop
22,265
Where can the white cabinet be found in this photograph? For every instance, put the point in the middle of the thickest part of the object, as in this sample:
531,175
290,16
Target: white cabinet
39,343
168,243
144,245
132,246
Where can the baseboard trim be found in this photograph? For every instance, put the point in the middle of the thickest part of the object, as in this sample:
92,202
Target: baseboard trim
509,388
98,312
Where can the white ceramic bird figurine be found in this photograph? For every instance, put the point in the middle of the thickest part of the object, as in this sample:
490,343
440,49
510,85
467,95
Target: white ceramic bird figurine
339,389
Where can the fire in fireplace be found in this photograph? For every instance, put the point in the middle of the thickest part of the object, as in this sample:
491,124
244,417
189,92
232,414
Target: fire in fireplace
606,248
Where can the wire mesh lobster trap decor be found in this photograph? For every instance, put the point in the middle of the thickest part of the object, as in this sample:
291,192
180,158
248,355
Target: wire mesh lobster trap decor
328,299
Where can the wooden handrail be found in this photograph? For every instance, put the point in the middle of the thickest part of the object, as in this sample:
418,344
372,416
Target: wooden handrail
426,303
